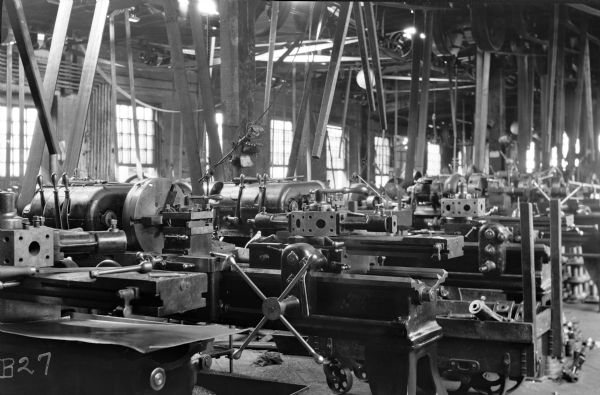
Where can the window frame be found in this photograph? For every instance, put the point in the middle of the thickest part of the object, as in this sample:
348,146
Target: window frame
120,148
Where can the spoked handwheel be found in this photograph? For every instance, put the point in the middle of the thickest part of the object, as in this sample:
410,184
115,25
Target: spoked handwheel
360,372
339,378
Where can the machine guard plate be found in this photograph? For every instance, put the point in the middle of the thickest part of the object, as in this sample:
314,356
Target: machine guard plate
139,335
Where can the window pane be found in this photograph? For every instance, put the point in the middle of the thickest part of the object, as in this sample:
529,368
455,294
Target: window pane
434,159
382,160
126,135
281,146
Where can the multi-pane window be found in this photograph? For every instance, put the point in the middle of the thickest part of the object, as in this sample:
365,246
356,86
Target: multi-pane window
126,135
530,158
15,149
281,147
219,119
434,159
382,160
336,157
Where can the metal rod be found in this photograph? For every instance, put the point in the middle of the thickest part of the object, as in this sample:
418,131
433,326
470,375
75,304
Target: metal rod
247,279
556,279
238,353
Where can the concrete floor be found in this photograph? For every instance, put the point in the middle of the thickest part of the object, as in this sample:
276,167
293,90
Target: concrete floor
302,370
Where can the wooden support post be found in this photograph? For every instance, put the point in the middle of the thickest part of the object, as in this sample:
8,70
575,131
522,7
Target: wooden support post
588,142
557,284
188,121
113,86
481,110
300,122
559,124
208,102
85,86
9,106
238,76
113,92
396,145
134,118
413,112
524,115
21,117
330,83
43,133
374,50
424,95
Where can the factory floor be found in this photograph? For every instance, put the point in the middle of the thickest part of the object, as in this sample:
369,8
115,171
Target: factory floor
302,370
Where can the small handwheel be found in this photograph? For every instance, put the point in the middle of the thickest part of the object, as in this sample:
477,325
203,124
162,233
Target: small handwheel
360,372
339,378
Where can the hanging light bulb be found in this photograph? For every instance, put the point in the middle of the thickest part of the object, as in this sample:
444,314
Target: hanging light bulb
360,78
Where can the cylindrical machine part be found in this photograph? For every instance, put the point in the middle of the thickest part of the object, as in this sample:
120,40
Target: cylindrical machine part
271,221
480,310
8,212
101,242
371,223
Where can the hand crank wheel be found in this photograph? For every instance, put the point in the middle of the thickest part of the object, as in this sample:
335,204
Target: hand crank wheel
339,378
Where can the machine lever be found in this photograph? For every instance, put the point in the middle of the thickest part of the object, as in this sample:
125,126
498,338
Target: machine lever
144,267
40,182
16,272
67,203
274,308
57,215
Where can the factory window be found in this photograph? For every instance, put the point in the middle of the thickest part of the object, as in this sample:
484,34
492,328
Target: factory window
554,157
336,157
126,135
382,160
281,146
434,159
565,150
530,158
18,146
219,119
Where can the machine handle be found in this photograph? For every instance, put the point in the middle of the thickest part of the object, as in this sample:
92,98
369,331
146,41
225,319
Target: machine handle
274,308
145,266
57,215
